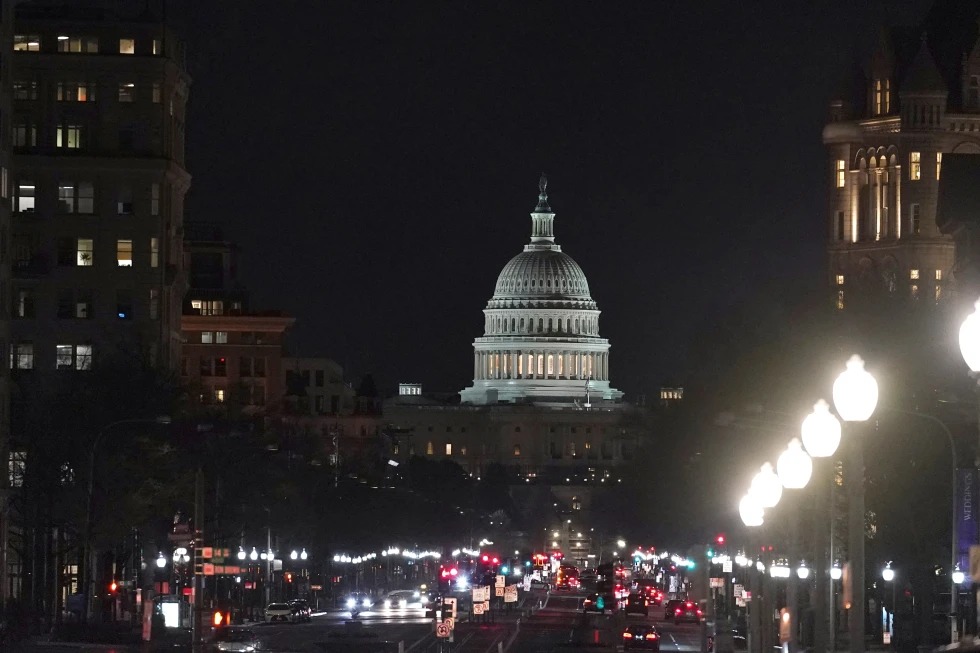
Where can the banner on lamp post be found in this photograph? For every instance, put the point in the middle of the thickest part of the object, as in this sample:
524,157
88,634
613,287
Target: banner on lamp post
966,517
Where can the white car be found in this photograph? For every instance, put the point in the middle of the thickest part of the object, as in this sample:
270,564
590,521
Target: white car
404,600
281,612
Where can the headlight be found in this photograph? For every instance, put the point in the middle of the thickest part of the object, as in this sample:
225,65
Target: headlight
351,603
416,595
425,599
366,603
387,604
402,603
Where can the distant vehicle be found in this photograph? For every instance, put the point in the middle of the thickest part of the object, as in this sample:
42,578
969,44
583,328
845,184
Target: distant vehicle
637,603
648,586
359,601
305,611
599,602
234,639
641,636
281,612
540,585
404,600
567,578
684,611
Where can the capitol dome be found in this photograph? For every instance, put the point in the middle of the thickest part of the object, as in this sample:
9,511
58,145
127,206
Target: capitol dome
541,329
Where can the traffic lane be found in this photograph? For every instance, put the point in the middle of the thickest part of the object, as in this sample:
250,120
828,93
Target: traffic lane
305,636
679,637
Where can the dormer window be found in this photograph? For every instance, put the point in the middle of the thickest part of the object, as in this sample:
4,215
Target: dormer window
882,92
973,93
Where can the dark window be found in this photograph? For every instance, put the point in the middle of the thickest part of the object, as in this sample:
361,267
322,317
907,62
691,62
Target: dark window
24,303
319,378
245,366
220,367
66,251
258,367
840,225
66,304
306,378
205,366
124,305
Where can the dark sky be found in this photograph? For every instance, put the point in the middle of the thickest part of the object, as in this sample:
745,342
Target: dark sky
377,163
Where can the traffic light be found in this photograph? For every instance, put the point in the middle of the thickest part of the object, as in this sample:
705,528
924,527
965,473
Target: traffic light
113,587
720,539
289,576
217,618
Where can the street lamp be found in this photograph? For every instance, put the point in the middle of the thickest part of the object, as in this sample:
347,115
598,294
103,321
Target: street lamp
750,511
958,577
821,431
161,561
241,553
888,575
970,339
254,555
803,571
794,466
88,580
855,397
620,544
766,487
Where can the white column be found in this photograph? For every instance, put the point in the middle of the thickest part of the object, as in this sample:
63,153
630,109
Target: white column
476,365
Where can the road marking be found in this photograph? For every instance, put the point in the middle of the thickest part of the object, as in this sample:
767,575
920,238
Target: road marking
675,641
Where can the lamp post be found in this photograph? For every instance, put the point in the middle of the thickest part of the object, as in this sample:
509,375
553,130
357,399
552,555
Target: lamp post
821,433
855,397
87,583
888,575
794,468
752,513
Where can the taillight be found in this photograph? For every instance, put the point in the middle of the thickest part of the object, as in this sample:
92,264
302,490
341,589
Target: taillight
651,635
689,604
699,613
677,611
627,635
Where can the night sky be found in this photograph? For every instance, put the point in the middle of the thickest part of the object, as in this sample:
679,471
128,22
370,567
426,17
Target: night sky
377,163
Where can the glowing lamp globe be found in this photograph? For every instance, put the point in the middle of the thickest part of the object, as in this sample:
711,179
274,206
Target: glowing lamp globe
855,392
750,511
766,488
836,573
794,467
888,574
821,431
803,572
958,577
970,339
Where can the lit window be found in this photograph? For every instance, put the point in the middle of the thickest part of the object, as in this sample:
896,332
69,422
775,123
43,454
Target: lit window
208,307
157,93
221,337
154,252
84,252
429,449
840,279
207,337
18,468
939,275
913,274
29,43
888,95
4,181
24,202
127,92
24,306
76,92
86,44
25,90
25,135
83,305
22,356
840,173
449,448
914,291
517,451
939,163
66,198
124,253
915,166
154,306
156,47
915,218
77,357
127,46
69,137
219,395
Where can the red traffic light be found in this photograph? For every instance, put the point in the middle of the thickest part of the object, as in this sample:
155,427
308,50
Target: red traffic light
486,558
289,576
453,571
113,586
496,561
720,539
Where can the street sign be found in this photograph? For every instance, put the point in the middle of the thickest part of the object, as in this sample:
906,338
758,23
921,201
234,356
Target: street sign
442,630
316,588
486,606
726,566
510,594
448,608
498,591
717,583
477,595
886,637
746,595
527,583
501,581
206,551
478,608
450,623
739,590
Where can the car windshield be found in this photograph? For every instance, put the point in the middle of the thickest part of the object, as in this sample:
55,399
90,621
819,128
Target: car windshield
277,606
640,630
234,635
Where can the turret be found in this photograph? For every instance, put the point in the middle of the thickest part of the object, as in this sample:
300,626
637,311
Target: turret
923,92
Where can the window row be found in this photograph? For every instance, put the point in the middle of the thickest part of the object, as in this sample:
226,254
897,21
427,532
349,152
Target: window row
67,357
80,252
249,395
80,197
72,136
556,450
248,366
914,275
578,326
916,294
79,304
915,167
80,44
125,91
862,224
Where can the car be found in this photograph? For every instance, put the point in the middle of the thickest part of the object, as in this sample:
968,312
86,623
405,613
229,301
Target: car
637,603
641,636
281,612
670,606
599,602
537,584
234,639
649,587
305,611
687,611
404,600
359,601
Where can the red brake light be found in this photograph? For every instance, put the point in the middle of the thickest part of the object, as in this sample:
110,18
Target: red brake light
677,611
651,635
486,558
689,604
453,571
699,613
496,560
627,635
